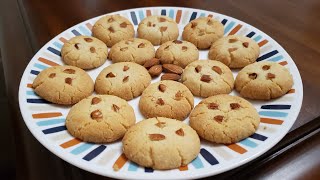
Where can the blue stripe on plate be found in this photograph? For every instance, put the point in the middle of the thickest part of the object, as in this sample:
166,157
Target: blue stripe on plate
277,58
54,51
34,72
276,106
193,16
163,12
273,113
31,93
171,13
40,66
51,122
85,31
251,34
148,170
208,157
76,33
257,38
141,15
54,129
224,21
94,153
258,137
134,18
58,45
249,143
229,26
133,166
83,147
197,163
266,56
202,14
38,101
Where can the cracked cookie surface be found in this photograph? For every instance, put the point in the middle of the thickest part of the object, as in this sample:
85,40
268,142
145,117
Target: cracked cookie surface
63,84
206,78
235,51
203,31
161,143
263,80
224,119
132,50
126,80
100,119
113,28
158,29
177,52
85,52
166,99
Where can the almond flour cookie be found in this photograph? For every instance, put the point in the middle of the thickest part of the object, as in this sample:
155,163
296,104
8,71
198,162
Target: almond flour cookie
161,143
166,99
100,119
203,31
158,29
126,80
263,80
84,52
177,52
206,78
235,51
63,84
224,119
112,28
132,50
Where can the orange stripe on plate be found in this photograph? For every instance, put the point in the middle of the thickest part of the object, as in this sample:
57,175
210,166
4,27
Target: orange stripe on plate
62,39
236,29
271,121
120,162
70,143
46,115
291,91
237,148
210,15
46,61
283,63
262,43
183,168
89,26
178,16
148,13
29,85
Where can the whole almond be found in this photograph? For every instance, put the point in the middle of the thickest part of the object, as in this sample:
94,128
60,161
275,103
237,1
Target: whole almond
95,100
170,76
151,62
171,68
155,70
205,78
156,137
162,87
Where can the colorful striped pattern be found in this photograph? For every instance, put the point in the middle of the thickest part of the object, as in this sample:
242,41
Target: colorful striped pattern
271,114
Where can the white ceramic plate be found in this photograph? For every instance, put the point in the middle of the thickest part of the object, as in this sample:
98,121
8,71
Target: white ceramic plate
47,121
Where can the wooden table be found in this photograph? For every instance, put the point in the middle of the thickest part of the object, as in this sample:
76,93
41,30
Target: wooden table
28,24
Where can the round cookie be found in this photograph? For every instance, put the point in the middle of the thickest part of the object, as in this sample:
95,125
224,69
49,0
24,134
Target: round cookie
177,52
132,50
235,51
63,84
126,80
85,52
158,29
263,80
100,119
113,28
166,99
203,31
206,78
161,143
224,119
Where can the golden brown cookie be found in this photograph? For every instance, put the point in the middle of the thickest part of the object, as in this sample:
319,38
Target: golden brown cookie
126,80
132,50
235,51
113,28
177,52
161,143
263,80
166,99
224,119
100,119
85,52
158,29
206,78
203,31
63,84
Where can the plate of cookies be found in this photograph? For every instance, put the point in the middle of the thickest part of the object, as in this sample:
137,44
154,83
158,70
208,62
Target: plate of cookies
160,92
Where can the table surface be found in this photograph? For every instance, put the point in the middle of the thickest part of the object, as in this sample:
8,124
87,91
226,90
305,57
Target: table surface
28,24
